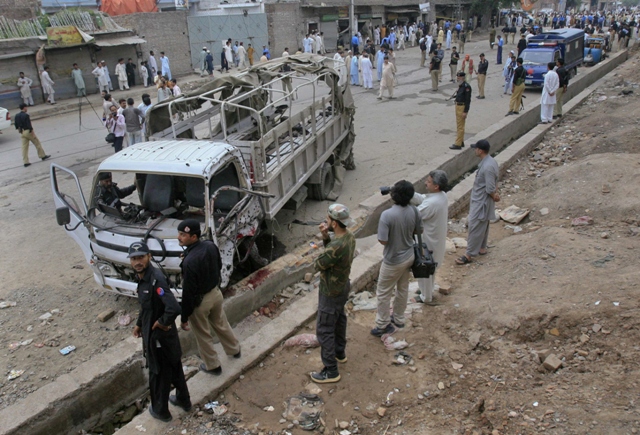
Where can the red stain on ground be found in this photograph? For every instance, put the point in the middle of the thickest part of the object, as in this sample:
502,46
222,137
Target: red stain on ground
259,276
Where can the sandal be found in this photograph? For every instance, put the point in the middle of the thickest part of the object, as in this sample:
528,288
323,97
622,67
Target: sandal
483,253
463,260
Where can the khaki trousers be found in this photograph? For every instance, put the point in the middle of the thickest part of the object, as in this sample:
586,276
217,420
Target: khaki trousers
423,57
392,276
435,78
557,110
30,136
516,98
461,47
482,78
460,122
207,316
454,71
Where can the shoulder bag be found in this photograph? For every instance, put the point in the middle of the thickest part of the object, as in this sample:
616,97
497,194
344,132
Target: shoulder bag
423,264
111,137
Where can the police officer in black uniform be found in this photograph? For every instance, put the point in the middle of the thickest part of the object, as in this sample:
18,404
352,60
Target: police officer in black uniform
109,193
463,101
156,325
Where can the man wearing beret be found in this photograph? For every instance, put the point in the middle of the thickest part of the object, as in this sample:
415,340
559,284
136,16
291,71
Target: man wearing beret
334,265
201,297
156,325
109,193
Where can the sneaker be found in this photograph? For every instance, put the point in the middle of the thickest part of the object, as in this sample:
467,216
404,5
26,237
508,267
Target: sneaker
45,157
238,355
27,164
341,358
397,324
378,332
165,418
216,372
326,376
174,401
455,147
509,113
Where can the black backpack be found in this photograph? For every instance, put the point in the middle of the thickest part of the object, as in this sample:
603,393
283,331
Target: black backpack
423,45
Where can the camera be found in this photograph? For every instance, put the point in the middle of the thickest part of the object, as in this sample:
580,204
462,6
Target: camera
385,190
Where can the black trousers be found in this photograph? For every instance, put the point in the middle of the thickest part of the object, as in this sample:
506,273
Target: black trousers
169,372
331,328
117,145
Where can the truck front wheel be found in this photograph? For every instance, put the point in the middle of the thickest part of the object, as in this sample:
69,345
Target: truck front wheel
320,191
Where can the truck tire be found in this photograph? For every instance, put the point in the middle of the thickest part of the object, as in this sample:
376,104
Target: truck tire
321,191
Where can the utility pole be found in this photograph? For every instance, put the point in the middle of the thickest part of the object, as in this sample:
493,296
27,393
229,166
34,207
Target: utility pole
352,19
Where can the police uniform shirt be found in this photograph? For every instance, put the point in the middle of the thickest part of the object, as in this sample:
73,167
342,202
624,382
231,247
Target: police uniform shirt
22,121
483,66
157,303
463,95
201,268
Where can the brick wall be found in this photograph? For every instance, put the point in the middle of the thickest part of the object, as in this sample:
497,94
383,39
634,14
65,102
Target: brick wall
286,27
163,31
20,9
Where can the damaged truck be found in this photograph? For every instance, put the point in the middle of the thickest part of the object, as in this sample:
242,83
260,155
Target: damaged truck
230,154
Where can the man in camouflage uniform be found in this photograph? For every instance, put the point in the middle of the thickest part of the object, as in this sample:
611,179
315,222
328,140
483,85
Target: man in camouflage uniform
334,265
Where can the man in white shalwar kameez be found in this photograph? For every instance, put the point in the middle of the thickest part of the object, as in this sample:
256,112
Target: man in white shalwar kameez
434,212
47,85
24,83
449,39
367,72
340,67
98,73
548,98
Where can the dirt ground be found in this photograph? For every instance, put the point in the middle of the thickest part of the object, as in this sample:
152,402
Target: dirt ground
475,356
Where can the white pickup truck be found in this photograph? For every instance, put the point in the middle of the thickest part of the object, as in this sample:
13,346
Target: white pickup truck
230,154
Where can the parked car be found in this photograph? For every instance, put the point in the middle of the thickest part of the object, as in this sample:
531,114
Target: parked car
5,119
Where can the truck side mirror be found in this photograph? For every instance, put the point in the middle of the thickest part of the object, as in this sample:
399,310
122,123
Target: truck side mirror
63,216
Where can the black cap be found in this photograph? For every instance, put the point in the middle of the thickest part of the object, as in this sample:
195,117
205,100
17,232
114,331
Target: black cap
519,60
104,176
481,54
138,249
189,226
460,74
481,145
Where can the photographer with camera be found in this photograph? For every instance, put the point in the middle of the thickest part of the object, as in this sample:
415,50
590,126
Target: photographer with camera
116,124
395,231
434,212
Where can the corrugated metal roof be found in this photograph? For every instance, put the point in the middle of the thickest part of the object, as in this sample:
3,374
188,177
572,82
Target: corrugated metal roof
122,40
185,157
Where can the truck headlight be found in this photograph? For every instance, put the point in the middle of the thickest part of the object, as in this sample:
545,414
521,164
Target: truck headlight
107,269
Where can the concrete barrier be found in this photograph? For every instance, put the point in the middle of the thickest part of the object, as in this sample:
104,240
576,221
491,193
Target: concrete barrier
92,392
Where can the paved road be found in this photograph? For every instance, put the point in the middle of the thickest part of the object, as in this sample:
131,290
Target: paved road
393,138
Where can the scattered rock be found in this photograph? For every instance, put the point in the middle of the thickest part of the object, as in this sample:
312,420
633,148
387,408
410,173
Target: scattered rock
382,411
513,414
459,242
581,221
555,332
596,328
474,339
456,366
7,304
606,188
514,214
450,246
440,385
604,235
308,277
129,413
444,289
312,388
543,354
45,316
582,352
584,338
544,211
106,315
552,363
343,424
